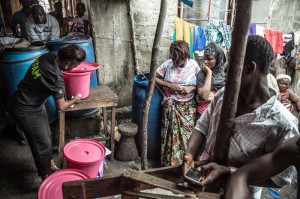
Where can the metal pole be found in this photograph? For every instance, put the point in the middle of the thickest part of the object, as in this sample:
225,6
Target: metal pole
181,10
226,11
209,5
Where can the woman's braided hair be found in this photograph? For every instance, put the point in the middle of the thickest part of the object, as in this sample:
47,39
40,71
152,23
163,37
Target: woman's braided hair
179,50
260,51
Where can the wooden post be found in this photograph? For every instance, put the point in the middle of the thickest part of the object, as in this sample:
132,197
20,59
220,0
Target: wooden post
233,81
154,64
208,14
233,13
181,10
133,45
226,12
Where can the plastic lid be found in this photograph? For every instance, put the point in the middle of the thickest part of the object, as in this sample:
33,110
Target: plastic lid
85,67
75,39
84,151
52,186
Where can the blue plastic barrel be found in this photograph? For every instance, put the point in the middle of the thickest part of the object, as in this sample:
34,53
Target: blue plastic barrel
83,41
86,43
14,64
155,115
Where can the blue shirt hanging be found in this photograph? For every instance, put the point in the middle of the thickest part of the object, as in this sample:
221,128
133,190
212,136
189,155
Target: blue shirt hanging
188,2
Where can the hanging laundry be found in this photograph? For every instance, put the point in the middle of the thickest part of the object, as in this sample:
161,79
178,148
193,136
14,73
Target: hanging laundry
260,30
288,45
184,31
188,2
218,32
297,38
275,39
252,29
199,38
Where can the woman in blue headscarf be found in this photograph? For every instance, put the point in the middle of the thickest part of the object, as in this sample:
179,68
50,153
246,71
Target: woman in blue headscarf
211,78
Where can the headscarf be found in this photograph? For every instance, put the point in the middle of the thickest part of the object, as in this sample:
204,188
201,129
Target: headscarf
283,76
218,73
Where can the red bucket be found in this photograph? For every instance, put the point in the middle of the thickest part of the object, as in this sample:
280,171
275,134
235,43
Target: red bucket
77,83
52,187
85,155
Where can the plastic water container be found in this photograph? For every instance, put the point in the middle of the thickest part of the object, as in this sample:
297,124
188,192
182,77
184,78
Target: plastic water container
85,155
77,83
52,187
155,115
14,64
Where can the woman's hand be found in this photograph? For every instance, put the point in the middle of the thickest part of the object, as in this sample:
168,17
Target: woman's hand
206,69
188,89
213,172
77,98
176,88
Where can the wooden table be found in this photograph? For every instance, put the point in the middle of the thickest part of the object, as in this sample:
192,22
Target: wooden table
99,97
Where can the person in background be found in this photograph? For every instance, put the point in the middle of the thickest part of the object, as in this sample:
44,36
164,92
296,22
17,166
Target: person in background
211,78
57,13
19,18
12,42
177,76
272,82
41,27
263,168
80,24
42,80
34,2
287,97
261,122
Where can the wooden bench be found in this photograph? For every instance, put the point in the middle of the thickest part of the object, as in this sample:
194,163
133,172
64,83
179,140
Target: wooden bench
131,183
99,97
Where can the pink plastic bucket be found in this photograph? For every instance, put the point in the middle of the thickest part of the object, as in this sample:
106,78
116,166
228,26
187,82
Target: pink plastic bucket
52,186
85,155
85,67
77,83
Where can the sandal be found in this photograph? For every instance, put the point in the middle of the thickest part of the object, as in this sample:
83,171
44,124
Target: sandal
54,169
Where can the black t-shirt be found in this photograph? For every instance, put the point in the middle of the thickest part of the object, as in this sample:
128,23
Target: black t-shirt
43,79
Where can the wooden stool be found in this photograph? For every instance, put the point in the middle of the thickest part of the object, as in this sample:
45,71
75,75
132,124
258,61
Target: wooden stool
127,150
99,97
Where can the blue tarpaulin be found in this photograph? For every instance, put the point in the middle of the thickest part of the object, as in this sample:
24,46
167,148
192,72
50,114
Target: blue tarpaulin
188,2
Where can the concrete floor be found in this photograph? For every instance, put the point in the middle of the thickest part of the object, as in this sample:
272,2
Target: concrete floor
19,177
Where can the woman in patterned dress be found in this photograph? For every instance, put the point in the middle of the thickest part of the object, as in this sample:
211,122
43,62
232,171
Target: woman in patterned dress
177,76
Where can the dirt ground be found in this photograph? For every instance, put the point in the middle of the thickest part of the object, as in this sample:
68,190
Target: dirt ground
19,177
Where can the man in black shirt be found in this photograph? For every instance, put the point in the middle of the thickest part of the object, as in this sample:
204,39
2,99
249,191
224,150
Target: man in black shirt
43,79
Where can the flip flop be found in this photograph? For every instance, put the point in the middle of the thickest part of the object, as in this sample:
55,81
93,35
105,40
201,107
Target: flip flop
274,193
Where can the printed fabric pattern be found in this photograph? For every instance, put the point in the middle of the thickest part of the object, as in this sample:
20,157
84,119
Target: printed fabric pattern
218,32
185,76
177,125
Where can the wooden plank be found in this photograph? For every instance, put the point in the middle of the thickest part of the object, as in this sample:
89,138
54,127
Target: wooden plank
102,187
157,182
114,185
151,195
61,142
112,134
100,96
104,113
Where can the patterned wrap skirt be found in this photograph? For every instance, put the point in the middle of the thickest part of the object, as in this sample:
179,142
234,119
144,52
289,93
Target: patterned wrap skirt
177,124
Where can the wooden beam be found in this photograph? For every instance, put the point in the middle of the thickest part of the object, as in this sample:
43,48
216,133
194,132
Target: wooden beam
116,184
157,182
151,195
153,66
233,80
